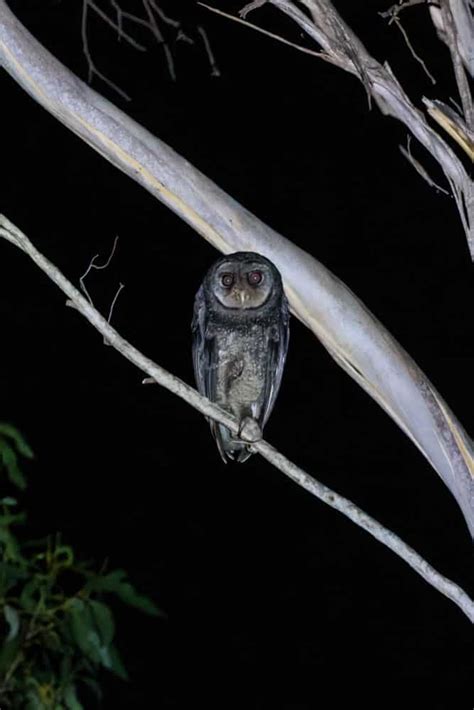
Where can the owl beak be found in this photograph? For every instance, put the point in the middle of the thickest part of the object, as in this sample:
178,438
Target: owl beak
241,296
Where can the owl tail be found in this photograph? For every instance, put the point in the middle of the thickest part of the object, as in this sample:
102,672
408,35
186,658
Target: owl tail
229,448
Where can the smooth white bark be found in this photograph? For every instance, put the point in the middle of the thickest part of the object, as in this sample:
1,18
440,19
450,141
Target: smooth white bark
357,341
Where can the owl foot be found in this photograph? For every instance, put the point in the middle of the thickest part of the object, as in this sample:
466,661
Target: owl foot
249,430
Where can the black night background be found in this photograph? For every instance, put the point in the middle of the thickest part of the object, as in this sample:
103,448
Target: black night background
272,599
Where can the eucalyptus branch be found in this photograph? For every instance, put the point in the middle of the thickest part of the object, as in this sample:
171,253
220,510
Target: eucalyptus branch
343,48
451,39
463,26
357,341
172,383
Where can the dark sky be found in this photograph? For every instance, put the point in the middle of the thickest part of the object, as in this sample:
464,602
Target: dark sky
270,596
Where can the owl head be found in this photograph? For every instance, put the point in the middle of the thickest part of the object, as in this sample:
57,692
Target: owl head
244,280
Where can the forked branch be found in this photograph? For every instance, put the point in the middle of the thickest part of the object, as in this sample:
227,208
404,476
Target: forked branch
341,47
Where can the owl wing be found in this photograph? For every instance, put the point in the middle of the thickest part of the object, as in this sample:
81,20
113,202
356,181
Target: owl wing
204,361
203,349
276,356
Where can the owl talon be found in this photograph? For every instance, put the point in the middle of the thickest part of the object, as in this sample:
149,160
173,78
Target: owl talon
249,430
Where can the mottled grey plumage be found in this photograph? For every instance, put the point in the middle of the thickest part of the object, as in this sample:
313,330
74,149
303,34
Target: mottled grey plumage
240,339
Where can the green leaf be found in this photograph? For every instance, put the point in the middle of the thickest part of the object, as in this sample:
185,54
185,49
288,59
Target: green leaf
129,595
11,519
13,621
22,447
10,574
64,556
8,652
83,631
8,501
51,640
87,633
116,664
10,461
115,583
28,597
71,699
104,621
10,544
109,582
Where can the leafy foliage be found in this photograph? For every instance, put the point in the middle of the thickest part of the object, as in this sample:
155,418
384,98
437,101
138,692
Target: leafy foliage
56,628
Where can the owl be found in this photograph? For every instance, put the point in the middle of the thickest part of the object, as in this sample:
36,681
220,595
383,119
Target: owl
240,339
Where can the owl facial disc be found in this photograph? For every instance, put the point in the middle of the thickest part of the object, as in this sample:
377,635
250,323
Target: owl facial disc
242,285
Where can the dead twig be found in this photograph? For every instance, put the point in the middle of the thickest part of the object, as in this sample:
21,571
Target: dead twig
299,47
91,67
412,51
158,35
342,47
419,168
99,267
210,55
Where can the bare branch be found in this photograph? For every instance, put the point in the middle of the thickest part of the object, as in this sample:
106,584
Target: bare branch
413,53
112,305
210,55
155,30
463,20
393,12
163,16
202,404
92,69
343,47
452,124
419,168
250,7
115,26
357,341
451,39
261,30
98,267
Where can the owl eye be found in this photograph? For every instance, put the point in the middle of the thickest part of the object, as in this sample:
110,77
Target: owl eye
227,280
255,277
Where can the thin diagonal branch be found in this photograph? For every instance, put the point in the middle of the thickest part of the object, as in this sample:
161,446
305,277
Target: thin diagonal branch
406,152
158,35
172,383
242,21
416,56
210,54
353,336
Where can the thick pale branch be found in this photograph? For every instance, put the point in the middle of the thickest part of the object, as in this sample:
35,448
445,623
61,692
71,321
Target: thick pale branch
451,590
353,336
461,13
337,39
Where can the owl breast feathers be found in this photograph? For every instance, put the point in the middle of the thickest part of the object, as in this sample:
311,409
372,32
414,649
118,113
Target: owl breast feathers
240,339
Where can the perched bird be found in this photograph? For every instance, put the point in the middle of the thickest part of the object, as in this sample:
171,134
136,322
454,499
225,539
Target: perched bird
240,338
